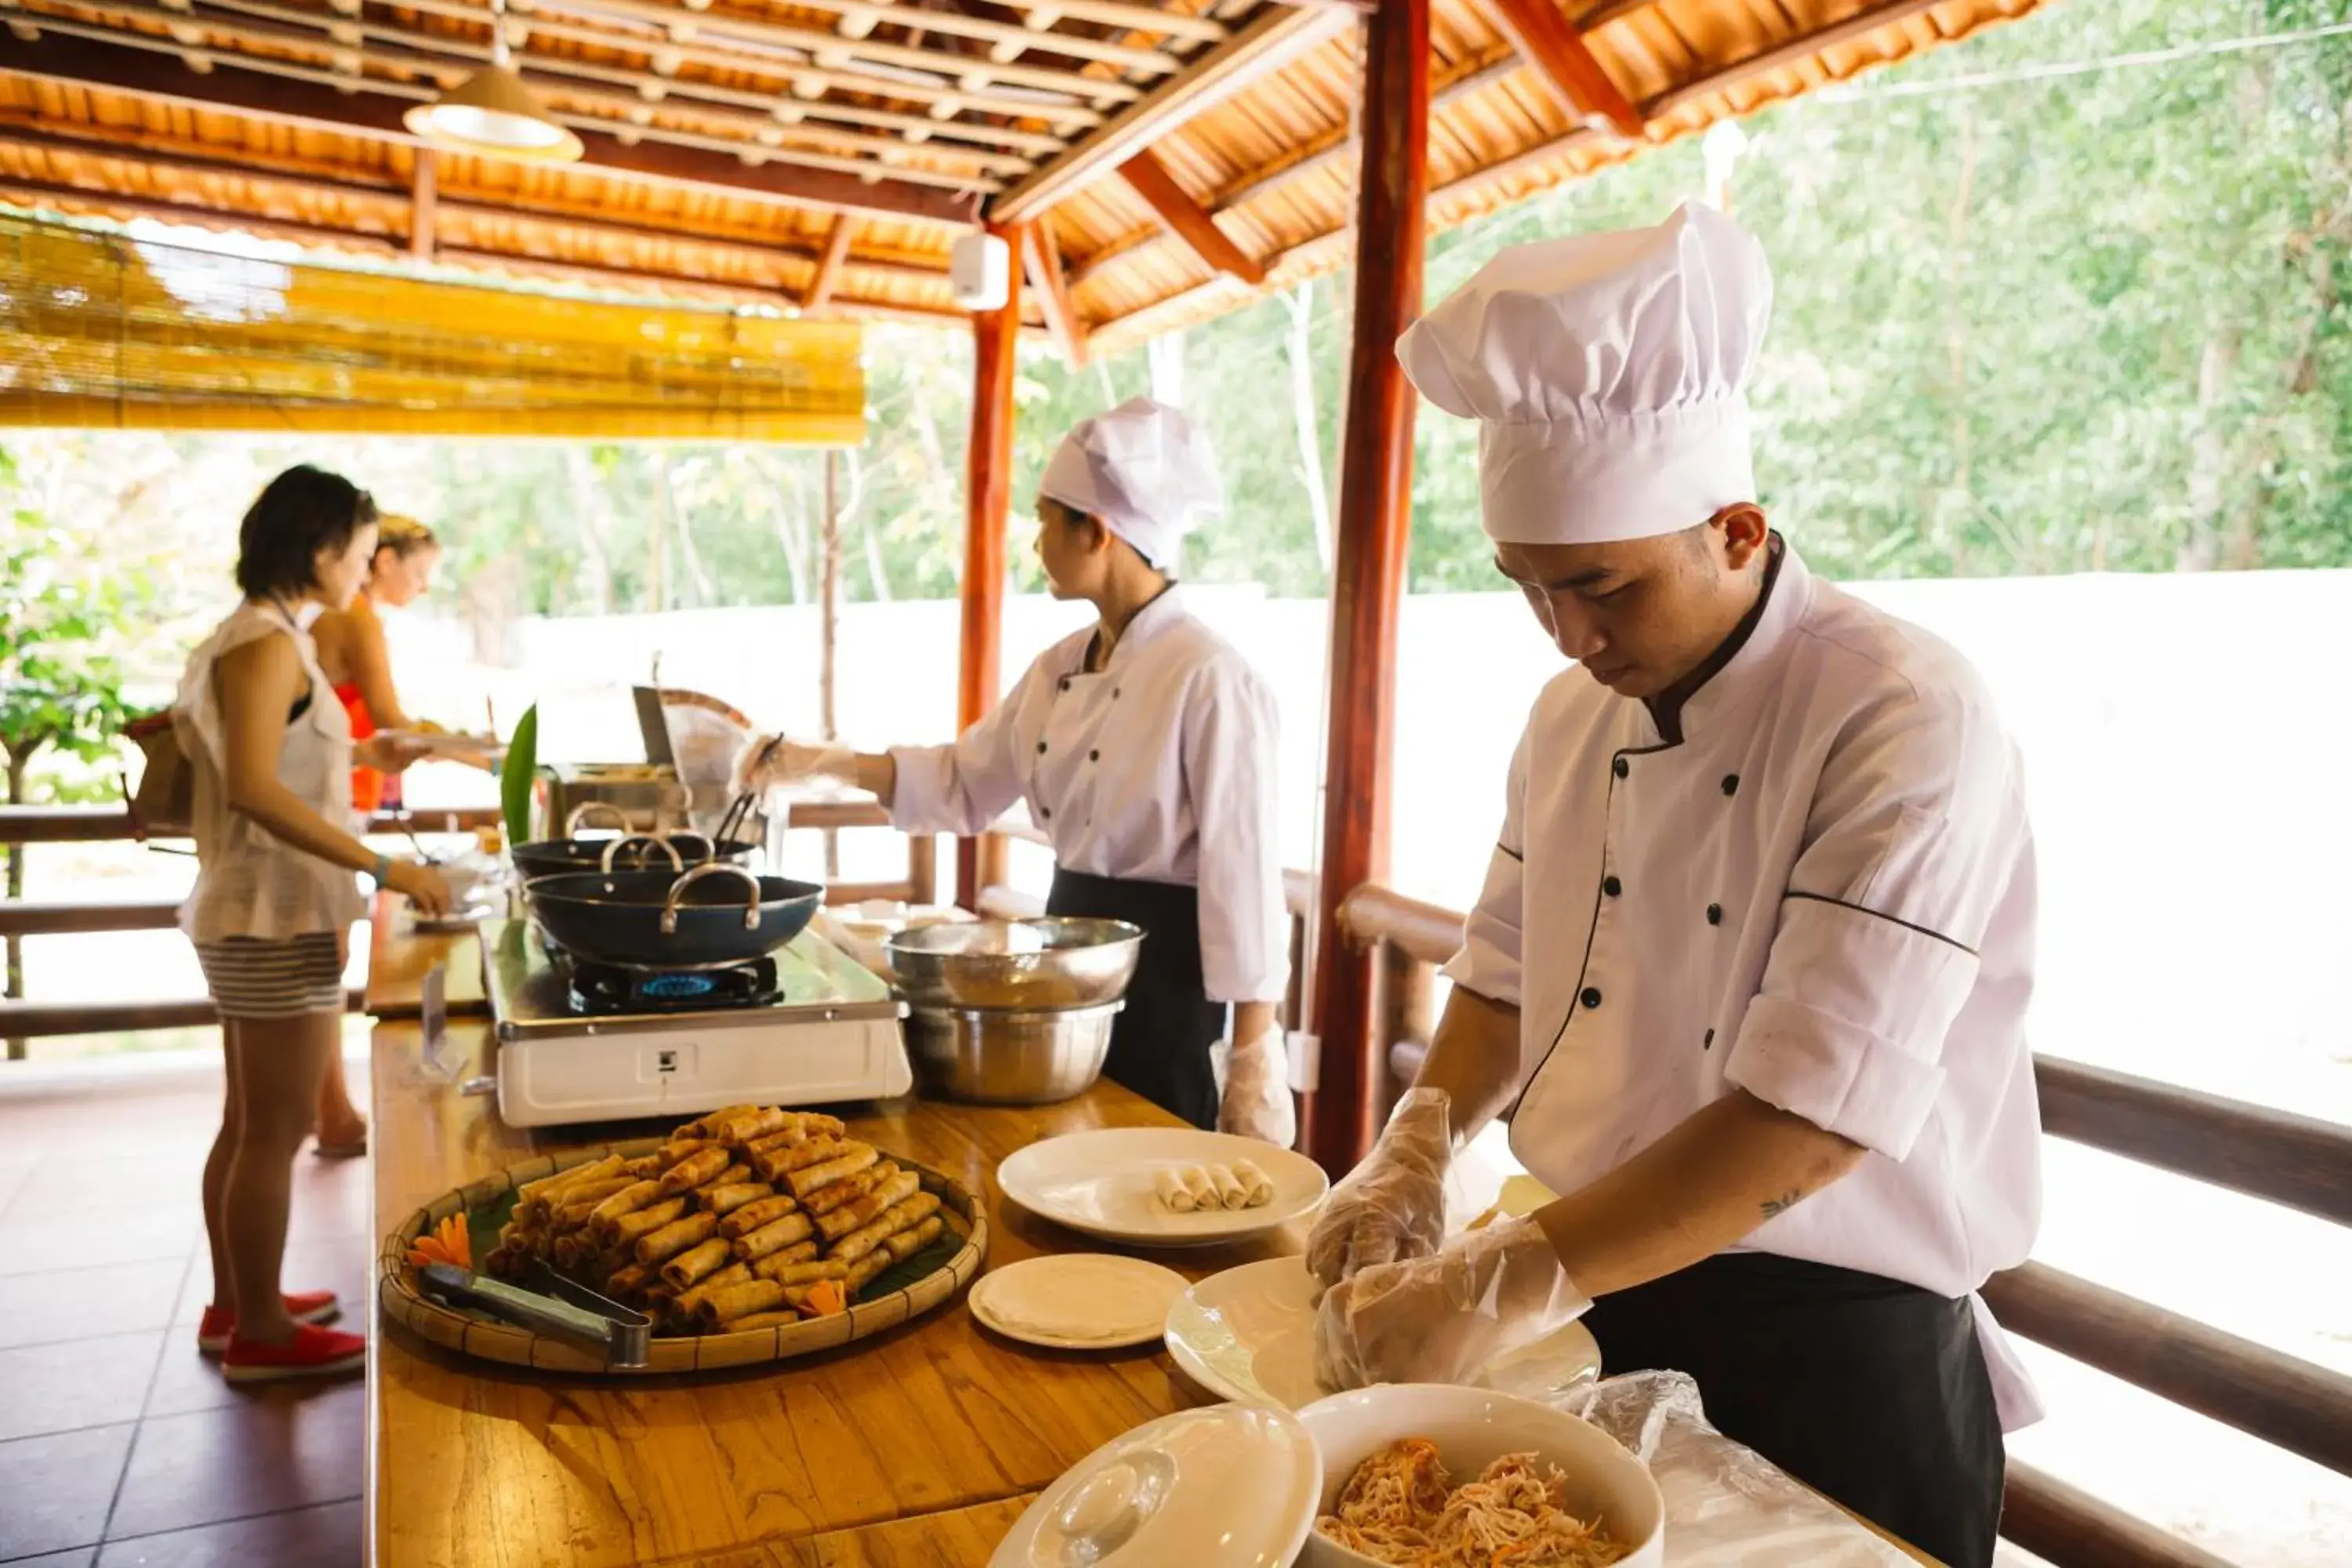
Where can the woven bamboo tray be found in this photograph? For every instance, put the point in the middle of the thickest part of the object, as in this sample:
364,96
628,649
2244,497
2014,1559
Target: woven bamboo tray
491,1340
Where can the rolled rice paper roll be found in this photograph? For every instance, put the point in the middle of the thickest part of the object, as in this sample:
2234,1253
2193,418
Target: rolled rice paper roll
808,1179
849,1189
740,1300
733,1274
1173,1194
904,1216
757,1212
696,1264
1231,1193
701,1166
631,1228
1204,1190
871,1208
1254,1182
724,1198
691,1230
777,1263
773,1238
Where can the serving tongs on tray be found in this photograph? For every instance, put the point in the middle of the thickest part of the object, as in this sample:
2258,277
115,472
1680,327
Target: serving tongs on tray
550,1305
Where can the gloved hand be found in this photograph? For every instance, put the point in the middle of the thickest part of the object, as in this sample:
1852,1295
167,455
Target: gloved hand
766,761
1441,1319
1393,1204
1258,1102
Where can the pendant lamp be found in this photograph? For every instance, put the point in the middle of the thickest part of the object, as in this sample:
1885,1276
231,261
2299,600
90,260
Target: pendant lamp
494,113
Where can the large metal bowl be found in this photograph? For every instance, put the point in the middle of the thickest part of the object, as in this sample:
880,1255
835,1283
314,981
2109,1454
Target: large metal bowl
1010,1058
1055,961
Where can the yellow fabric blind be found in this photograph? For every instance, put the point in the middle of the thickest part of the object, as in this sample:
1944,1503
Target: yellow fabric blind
108,331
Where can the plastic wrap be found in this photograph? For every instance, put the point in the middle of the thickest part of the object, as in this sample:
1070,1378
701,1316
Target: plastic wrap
1726,1505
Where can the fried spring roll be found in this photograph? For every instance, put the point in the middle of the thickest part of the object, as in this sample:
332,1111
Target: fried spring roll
871,1208
791,1257
628,1200
773,1236
808,1179
691,1268
757,1212
678,1148
758,1320
675,1237
693,1170
733,1274
587,1171
905,1215
701,1126
643,1168
622,1281
739,1300
897,1250
849,1189
743,1127
572,1208
775,1163
807,1273
631,1228
723,1198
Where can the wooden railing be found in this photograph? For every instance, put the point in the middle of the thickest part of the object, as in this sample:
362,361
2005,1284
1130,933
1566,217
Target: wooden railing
2276,1155
21,1020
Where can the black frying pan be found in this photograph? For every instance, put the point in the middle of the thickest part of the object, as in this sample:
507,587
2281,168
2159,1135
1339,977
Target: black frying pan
657,920
557,857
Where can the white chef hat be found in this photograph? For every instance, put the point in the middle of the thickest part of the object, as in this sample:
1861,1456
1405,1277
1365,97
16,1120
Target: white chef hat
1144,469
1607,371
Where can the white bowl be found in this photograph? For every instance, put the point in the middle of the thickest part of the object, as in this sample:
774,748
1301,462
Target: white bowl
1473,1428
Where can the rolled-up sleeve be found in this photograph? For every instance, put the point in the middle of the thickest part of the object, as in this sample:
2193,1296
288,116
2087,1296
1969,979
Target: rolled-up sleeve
1231,726
1488,963
962,788
1917,825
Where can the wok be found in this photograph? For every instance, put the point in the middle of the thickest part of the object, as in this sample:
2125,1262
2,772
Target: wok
715,914
556,857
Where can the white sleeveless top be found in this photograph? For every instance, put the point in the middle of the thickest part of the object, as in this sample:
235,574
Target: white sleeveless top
250,882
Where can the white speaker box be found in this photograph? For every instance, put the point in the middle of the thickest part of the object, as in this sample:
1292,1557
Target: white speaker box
980,271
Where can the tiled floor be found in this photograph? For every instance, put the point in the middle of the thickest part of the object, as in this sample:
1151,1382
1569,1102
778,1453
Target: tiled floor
119,1445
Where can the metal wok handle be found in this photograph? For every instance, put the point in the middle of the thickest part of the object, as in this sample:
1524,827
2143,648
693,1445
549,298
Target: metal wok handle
580,815
710,868
655,839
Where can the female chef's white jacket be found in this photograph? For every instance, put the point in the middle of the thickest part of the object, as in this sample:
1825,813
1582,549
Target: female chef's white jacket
1162,768
1823,894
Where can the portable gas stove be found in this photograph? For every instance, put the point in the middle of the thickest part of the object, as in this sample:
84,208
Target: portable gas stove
589,1042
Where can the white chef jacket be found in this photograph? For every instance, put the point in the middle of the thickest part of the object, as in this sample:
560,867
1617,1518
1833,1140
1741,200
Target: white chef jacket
1823,894
1160,768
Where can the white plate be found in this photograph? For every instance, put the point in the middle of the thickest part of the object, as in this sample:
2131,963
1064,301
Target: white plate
1248,1335
1100,1183
1078,1300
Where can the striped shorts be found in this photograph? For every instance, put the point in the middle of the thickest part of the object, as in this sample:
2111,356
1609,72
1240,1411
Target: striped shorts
284,977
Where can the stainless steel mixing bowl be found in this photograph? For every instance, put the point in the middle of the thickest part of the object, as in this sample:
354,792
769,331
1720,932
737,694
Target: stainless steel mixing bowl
1055,960
1010,1058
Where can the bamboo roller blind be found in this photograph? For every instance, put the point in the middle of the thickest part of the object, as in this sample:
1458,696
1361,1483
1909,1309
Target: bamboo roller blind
105,330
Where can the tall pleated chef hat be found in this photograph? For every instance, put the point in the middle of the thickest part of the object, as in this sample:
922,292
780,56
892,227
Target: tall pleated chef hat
1144,469
1607,372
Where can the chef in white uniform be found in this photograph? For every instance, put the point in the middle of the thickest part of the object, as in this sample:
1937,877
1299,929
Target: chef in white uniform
1749,971
1145,748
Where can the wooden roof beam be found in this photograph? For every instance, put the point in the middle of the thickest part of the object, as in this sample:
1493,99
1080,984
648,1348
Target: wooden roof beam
1277,35
828,265
424,204
1556,48
1041,258
228,88
1186,219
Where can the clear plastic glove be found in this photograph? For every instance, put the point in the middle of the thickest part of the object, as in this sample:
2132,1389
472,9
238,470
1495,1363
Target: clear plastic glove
1258,1102
390,751
1441,1319
1392,1205
766,763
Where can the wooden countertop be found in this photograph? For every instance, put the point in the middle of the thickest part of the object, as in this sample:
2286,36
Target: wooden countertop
895,1450
399,955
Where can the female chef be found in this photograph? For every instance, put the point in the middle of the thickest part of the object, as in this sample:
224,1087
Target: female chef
1145,747
1750,967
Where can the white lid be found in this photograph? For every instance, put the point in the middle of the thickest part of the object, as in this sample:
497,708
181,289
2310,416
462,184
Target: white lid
1078,1300
1231,1485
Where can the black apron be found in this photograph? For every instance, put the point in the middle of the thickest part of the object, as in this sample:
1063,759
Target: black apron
1871,1392
1160,1044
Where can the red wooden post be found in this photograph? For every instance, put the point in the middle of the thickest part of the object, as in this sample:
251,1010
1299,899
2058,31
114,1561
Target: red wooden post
988,497
1367,575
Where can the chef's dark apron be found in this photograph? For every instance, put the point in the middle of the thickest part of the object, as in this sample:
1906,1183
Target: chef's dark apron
1870,1390
1160,1044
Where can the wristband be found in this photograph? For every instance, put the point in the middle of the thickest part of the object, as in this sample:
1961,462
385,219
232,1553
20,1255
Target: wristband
380,871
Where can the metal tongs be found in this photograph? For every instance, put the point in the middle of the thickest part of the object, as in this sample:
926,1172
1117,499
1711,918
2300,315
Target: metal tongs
739,814
555,1306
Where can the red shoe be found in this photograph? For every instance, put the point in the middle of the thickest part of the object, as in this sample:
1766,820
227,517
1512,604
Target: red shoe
312,1352
303,1306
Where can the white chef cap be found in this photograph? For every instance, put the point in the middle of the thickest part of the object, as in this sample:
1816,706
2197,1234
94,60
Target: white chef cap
1607,372
1144,469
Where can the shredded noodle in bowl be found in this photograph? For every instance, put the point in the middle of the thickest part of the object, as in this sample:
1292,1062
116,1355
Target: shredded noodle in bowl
1399,1509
